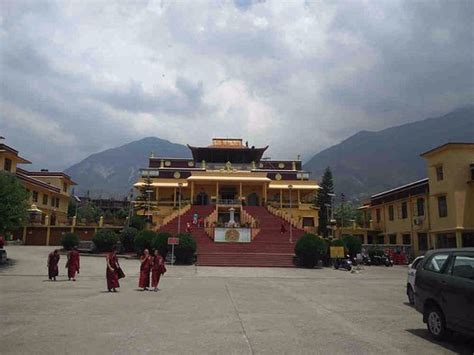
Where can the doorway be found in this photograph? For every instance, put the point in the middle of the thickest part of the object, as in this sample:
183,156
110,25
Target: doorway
202,199
252,199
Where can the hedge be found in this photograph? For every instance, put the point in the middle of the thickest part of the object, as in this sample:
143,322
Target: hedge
309,249
69,241
105,240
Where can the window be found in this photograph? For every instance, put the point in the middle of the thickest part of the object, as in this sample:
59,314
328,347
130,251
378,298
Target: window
377,213
53,201
392,239
420,207
64,187
390,212
45,199
307,221
35,196
370,239
57,202
442,206
463,267
422,241
404,210
446,240
406,239
472,171
436,262
416,263
439,173
468,240
380,239
7,165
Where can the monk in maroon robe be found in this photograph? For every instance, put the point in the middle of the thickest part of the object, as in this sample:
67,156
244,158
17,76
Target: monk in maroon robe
145,268
112,271
158,268
53,269
282,229
72,264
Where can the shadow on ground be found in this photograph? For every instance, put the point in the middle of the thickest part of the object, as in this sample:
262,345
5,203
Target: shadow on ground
456,342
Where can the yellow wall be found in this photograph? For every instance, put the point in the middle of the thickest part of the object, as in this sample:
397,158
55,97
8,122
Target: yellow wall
455,185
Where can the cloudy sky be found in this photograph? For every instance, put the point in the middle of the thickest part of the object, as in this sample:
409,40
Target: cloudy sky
77,77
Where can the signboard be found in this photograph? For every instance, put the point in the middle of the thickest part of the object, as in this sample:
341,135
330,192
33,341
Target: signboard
232,235
336,252
173,241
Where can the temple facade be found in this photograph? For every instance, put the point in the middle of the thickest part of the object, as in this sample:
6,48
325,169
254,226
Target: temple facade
229,176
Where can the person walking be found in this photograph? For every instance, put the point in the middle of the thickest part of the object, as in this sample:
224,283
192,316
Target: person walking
145,268
158,268
111,272
53,261
282,229
73,264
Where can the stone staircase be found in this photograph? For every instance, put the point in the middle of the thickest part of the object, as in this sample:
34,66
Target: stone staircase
268,249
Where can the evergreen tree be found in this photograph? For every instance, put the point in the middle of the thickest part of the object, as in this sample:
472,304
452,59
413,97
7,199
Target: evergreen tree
13,203
323,200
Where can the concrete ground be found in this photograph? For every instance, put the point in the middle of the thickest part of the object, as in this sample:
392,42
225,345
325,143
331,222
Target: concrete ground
206,310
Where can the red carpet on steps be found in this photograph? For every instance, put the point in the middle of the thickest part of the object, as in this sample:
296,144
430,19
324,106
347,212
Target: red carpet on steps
269,248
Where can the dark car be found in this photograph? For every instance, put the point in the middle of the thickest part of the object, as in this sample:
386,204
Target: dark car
444,291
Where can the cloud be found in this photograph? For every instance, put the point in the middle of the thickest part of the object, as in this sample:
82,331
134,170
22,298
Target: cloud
79,77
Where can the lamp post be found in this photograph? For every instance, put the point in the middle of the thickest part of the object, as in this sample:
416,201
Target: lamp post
343,198
331,221
149,203
180,184
130,208
290,187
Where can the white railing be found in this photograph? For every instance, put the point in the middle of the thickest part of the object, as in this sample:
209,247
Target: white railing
175,214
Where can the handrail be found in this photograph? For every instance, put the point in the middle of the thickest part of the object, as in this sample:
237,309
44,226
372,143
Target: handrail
175,214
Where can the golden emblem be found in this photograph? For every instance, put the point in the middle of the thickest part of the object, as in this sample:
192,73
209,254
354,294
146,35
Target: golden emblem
278,176
177,175
232,235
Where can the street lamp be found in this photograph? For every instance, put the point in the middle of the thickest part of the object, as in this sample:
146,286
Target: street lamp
290,187
331,221
180,184
149,204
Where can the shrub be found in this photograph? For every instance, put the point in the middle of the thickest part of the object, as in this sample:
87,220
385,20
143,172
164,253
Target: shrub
144,240
352,244
186,248
309,249
105,239
69,241
127,238
138,222
160,242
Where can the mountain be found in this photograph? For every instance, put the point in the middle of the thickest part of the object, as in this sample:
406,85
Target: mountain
111,173
369,162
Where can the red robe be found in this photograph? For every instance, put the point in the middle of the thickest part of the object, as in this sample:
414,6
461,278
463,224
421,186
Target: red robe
112,275
73,264
53,269
158,268
145,273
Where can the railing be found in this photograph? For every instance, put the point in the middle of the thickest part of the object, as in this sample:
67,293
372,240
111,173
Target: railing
250,220
285,216
175,214
228,202
209,222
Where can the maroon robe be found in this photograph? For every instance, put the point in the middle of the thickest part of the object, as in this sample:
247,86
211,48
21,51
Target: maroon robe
112,275
145,273
158,268
73,264
53,269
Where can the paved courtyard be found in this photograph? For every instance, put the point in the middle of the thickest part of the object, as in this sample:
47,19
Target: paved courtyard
207,310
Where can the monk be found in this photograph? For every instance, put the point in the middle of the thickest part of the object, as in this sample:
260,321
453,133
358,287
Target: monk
72,264
158,268
145,267
53,269
111,272
282,229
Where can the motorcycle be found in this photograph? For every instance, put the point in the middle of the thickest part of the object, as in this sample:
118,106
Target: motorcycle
343,263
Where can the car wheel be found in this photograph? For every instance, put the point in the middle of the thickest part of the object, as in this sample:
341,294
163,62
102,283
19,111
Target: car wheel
436,323
411,295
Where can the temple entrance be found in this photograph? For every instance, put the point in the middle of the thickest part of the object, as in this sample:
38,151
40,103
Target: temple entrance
202,199
228,193
252,199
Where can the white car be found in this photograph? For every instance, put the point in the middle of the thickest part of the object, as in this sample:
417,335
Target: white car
411,279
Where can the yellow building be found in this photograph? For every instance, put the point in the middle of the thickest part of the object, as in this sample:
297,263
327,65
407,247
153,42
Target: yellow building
436,212
49,191
229,174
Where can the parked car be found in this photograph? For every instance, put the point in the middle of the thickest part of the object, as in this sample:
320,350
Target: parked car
411,279
444,291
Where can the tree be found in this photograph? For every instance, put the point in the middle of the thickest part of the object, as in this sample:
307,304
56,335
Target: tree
89,212
310,249
323,200
13,203
345,214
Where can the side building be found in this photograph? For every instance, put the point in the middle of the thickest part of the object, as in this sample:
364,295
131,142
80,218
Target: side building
49,191
435,212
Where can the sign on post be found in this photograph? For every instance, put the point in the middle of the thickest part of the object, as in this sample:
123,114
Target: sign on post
336,252
173,241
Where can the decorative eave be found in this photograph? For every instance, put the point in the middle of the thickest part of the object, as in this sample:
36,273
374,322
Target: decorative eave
242,155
